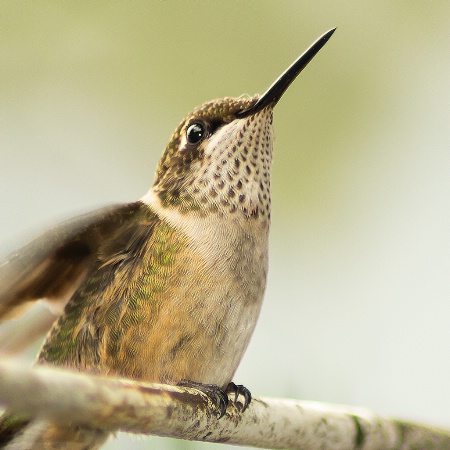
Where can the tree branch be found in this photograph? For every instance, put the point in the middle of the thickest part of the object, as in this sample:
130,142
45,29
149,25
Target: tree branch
187,413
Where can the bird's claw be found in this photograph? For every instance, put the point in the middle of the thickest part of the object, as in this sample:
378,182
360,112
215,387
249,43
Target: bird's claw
220,397
217,395
237,390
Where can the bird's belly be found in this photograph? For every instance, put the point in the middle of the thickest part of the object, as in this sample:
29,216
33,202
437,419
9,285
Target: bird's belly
208,346
201,322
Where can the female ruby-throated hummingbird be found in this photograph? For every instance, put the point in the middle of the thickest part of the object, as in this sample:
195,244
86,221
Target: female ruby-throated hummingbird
169,288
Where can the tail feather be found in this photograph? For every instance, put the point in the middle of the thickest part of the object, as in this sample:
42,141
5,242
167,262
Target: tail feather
11,425
18,432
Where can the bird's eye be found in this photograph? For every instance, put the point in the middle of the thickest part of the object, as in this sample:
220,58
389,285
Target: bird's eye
195,132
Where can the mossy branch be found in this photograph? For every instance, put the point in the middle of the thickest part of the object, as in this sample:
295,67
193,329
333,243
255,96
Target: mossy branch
186,413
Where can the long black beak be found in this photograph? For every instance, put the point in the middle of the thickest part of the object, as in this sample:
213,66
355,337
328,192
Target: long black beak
274,93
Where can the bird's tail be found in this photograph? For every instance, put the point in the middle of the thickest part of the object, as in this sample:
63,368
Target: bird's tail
18,432
11,425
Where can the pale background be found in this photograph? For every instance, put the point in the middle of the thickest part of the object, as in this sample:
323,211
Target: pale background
357,306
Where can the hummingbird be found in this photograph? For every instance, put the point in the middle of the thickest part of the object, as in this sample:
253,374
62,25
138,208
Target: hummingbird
166,289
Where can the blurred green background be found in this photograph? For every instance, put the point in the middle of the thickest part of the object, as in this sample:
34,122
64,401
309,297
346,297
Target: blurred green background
357,305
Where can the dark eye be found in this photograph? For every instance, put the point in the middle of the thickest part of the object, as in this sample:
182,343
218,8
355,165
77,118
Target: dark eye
195,132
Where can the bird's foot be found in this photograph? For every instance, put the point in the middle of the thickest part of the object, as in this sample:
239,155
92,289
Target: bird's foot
220,397
237,390
217,395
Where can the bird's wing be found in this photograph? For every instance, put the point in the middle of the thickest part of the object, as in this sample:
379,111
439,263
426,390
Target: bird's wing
53,265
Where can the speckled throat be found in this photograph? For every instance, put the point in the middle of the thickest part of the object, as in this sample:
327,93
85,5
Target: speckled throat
229,171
